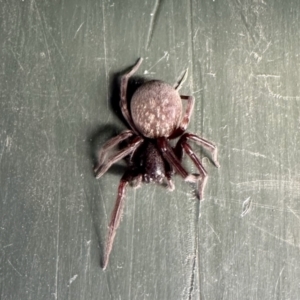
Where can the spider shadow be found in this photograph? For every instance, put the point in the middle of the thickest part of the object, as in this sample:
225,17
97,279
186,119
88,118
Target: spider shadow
98,136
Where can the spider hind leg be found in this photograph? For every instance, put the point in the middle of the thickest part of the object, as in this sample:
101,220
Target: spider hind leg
183,146
129,177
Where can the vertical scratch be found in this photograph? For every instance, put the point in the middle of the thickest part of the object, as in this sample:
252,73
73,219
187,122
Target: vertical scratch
57,243
105,52
246,207
132,247
191,53
192,278
191,40
16,58
195,266
153,20
277,282
43,31
196,262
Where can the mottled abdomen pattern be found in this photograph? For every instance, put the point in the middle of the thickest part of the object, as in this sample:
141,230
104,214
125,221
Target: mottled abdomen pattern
156,109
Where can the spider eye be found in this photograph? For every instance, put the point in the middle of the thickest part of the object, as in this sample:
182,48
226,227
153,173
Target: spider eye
155,177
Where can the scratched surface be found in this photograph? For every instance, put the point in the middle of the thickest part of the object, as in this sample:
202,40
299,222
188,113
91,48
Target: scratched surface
59,61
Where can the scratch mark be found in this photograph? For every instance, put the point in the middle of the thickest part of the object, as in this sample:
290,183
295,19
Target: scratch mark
291,185
166,54
78,30
293,212
279,96
8,142
132,240
279,278
270,91
105,53
270,207
153,21
88,259
46,44
256,154
57,242
211,74
256,56
53,39
195,35
14,268
72,279
104,58
214,232
276,237
192,278
195,266
198,91
247,26
267,47
246,207
14,54
266,76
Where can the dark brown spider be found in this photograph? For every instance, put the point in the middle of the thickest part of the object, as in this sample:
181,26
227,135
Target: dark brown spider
154,118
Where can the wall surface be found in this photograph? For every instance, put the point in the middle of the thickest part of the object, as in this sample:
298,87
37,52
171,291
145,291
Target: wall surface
59,70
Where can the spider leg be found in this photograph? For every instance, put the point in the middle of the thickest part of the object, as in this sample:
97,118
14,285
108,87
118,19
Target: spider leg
186,117
188,111
137,181
109,145
173,160
177,86
115,219
131,147
170,184
202,180
199,141
129,176
123,101
169,172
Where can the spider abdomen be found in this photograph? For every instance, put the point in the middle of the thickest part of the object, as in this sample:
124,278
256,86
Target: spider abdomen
156,109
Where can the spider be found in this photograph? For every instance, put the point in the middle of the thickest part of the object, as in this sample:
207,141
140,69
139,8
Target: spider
155,116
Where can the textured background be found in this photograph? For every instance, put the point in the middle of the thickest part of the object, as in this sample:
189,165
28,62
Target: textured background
58,75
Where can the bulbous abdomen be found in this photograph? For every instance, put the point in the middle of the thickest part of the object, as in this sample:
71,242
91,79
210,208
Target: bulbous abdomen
156,109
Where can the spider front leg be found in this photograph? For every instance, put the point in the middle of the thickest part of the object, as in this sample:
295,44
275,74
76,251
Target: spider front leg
109,145
131,147
186,117
123,101
188,112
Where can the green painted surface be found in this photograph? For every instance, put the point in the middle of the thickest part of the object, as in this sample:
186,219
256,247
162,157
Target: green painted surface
59,61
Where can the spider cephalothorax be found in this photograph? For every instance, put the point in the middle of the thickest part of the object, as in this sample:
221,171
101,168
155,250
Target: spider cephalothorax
154,118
